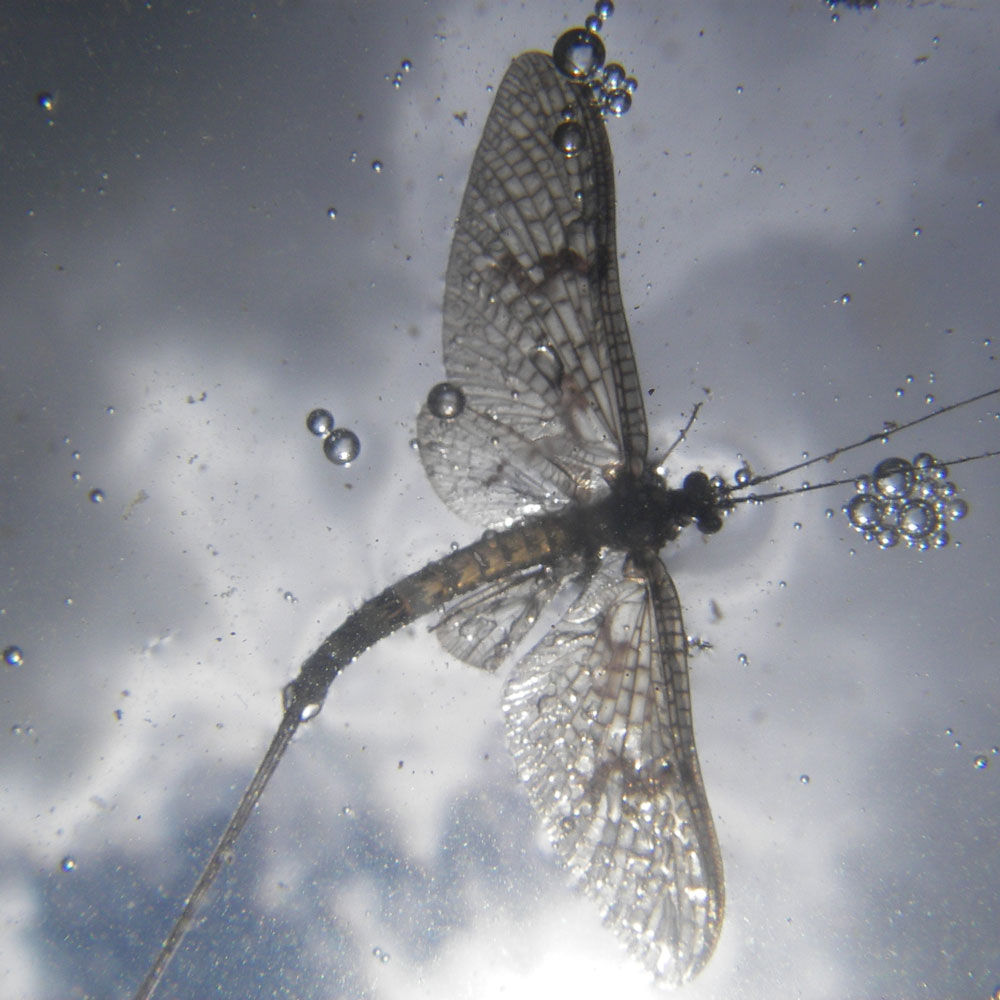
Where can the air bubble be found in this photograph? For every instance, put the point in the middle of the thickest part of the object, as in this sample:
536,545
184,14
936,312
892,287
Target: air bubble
569,138
917,520
67,864
981,762
803,779
96,496
956,509
331,213
550,366
13,656
893,477
614,77
446,401
46,101
578,54
320,422
377,166
617,103
342,446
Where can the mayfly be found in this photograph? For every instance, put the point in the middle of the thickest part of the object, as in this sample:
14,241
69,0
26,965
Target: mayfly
539,433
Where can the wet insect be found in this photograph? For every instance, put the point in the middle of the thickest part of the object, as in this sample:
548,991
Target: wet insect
539,434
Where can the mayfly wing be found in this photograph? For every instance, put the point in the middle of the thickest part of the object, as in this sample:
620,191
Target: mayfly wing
535,338
599,722
484,627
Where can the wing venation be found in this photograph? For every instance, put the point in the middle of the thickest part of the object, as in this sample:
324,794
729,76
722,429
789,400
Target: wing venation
599,723
534,329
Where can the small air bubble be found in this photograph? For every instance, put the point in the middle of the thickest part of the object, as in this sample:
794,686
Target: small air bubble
981,762
743,660
917,231
67,864
845,299
46,101
13,656
289,597
446,401
804,779
331,213
377,166
109,410
320,422
96,496
861,262
342,446
956,509
569,138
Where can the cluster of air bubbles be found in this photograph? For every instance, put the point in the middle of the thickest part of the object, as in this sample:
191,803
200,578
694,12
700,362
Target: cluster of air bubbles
579,54
396,79
446,401
340,445
909,502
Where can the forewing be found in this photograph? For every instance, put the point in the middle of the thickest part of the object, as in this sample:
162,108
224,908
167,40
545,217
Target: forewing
534,330
599,723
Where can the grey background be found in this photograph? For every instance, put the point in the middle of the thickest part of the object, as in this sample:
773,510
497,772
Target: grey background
166,252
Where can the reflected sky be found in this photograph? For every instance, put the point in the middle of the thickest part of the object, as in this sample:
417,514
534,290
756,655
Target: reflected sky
176,299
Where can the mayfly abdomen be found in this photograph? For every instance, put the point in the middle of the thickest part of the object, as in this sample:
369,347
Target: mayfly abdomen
497,555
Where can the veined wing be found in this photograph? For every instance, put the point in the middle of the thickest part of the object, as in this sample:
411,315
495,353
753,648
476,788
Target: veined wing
599,723
484,627
535,335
